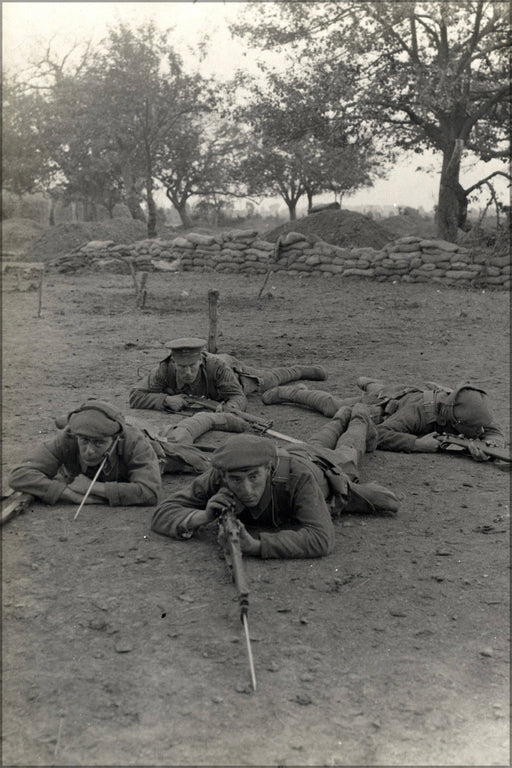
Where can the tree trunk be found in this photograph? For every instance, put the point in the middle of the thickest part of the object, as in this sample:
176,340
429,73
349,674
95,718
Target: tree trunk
452,203
51,219
132,197
310,200
292,208
151,209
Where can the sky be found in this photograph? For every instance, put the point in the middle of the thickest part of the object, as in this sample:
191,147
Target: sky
28,27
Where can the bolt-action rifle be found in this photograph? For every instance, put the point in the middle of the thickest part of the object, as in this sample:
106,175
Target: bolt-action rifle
446,440
257,423
230,537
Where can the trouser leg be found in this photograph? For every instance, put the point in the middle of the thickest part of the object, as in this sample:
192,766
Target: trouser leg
298,394
255,379
328,435
189,429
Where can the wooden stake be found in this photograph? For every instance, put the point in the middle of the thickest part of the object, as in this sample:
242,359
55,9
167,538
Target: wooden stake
40,302
213,298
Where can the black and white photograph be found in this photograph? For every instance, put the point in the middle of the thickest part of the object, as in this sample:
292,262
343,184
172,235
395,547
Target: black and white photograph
255,274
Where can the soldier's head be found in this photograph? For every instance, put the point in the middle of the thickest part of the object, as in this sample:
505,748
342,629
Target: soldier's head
471,412
95,426
186,354
246,462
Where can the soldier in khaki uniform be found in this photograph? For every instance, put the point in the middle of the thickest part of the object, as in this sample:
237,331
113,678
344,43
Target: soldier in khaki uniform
61,469
408,417
284,498
190,370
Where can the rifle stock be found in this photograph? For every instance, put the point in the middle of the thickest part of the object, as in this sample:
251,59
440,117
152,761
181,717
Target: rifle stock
463,442
15,504
203,403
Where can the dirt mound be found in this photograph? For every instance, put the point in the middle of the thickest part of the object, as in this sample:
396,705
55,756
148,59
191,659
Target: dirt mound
25,238
18,236
343,228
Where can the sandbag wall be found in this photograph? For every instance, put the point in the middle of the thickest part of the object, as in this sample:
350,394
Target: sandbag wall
409,259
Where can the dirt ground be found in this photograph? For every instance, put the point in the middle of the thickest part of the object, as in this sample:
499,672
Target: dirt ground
122,647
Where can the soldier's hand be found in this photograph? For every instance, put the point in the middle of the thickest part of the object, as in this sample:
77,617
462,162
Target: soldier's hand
427,444
218,503
476,452
80,484
76,498
227,407
175,403
248,544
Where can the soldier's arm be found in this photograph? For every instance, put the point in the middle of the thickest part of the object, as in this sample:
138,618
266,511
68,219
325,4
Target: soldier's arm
399,431
229,388
311,533
144,478
494,435
182,513
151,391
37,474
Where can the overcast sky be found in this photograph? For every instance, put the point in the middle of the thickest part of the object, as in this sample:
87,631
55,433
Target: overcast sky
28,27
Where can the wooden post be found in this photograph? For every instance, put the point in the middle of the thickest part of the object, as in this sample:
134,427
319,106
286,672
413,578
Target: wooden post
40,302
213,297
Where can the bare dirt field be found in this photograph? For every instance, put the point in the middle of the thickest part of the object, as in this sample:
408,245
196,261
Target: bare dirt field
122,647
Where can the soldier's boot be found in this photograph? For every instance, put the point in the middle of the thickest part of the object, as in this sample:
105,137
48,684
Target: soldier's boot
299,394
188,430
371,497
328,435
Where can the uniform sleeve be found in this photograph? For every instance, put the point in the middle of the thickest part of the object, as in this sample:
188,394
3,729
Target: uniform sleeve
36,475
144,478
171,515
399,431
312,534
228,386
494,434
151,391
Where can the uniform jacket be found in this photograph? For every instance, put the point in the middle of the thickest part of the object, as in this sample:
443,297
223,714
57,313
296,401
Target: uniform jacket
131,474
293,511
418,413
215,381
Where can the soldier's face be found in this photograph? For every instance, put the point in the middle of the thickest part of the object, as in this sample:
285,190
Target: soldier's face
248,485
93,449
187,372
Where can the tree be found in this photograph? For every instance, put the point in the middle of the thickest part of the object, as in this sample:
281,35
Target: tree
145,95
200,160
423,74
325,151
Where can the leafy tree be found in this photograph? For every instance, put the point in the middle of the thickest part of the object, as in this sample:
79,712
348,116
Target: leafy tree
423,74
200,160
145,95
324,150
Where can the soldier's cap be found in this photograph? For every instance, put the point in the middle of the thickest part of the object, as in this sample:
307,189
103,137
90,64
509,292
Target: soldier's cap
243,452
471,410
95,418
186,350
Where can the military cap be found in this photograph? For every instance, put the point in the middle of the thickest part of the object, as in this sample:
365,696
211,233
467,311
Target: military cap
186,350
471,410
95,419
241,451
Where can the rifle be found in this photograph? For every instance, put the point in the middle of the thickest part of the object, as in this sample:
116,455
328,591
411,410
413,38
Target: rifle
490,450
15,504
233,555
263,426
107,456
